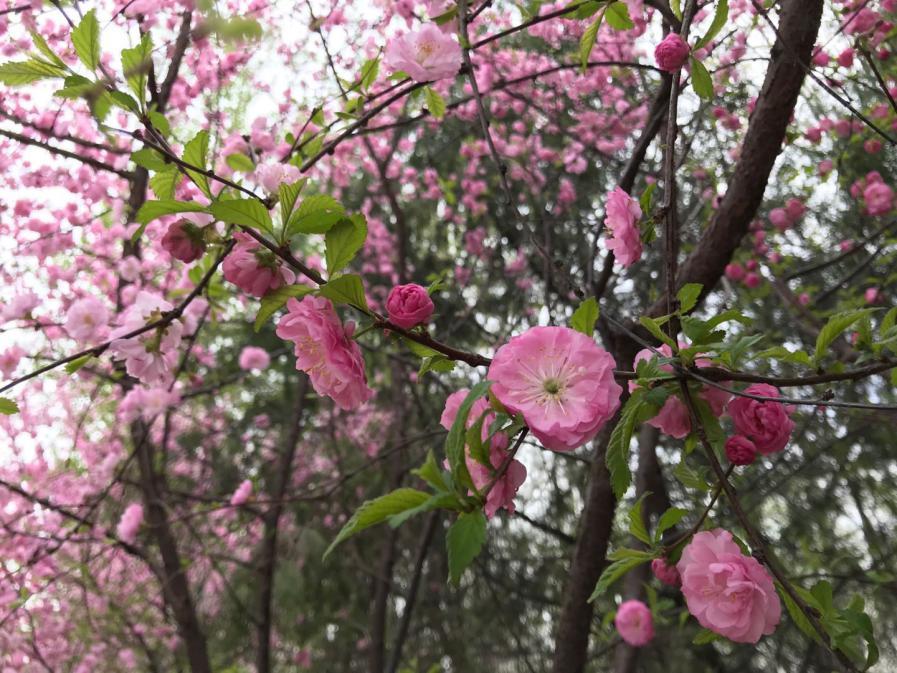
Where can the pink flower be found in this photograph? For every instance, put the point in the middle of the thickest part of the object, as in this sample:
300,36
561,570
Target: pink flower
409,305
184,241
254,269
425,55
740,450
86,319
253,357
767,424
151,356
501,496
878,197
146,403
622,216
665,572
270,176
795,209
634,623
752,280
729,593
560,380
241,495
734,271
845,58
326,351
671,53
779,218
803,299
129,524
9,360
872,295
826,166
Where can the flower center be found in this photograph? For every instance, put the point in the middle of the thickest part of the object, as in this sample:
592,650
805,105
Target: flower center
552,386
424,51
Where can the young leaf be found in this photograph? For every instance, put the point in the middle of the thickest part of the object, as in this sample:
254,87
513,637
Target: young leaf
346,289
135,64
41,44
196,153
272,301
343,242
613,572
435,102
431,473
75,365
288,193
617,16
165,182
667,520
463,542
835,326
245,212
587,41
239,162
16,73
700,79
454,442
634,412
8,407
719,20
637,522
86,40
315,215
654,327
585,317
377,511
688,296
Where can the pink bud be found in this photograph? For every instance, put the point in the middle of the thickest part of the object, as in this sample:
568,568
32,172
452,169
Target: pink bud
409,305
671,53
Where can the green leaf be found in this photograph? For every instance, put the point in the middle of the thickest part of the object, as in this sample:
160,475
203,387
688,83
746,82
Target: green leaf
8,407
719,20
287,194
797,616
677,8
245,212
705,636
165,182
346,289
369,71
377,511
463,542
431,473
196,153
613,572
637,522
343,242
700,79
315,215
454,442
135,64
585,317
587,41
835,326
617,15
635,411
435,102
149,159
239,162
75,365
274,300
689,477
86,40
654,326
44,48
17,73
585,10
159,122
151,210
667,520
435,363
625,552
688,296
448,501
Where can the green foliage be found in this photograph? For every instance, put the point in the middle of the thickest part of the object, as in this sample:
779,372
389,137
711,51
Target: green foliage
315,215
86,40
239,162
585,317
688,296
454,442
288,193
637,521
343,241
636,410
8,406
347,289
196,154
275,300
17,73
667,520
435,102
587,41
463,542
719,20
700,79
245,212
135,64
617,16
76,364
836,326
615,571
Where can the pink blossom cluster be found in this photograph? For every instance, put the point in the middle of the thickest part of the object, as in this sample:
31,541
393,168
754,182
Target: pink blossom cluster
622,219
151,356
129,524
254,269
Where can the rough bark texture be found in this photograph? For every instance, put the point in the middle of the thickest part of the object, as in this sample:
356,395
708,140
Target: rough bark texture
798,27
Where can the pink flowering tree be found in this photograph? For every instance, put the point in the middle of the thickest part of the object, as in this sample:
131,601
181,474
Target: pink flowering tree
456,335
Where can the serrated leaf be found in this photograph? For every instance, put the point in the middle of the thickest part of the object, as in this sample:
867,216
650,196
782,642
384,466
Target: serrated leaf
8,407
454,441
239,162
613,572
346,289
369,71
688,296
45,49
634,412
587,41
719,20
165,183
637,522
75,365
447,501
435,102
690,477
617,16
196,154
377,511
245,212
700,79
287,194
343,242
463,542
315,215
797,616
431,473
276,299
654,326
17,73
151,210
86,40
667,520
585,317
135,64
835,326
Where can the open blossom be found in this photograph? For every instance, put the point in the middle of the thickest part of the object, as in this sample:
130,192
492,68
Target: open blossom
672,53
183,240
426,54
740,450
325,351
9,360
502,493
665,572
409,305
634,623
674,419
729,593
560,380
622,216
879,198
767,424
86,319
872,295
151,356
254,269
270,176
129,524
241,495
146,403
253,357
